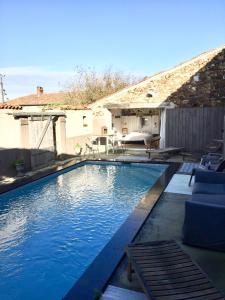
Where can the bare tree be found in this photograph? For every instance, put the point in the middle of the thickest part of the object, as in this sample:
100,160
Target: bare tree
90,85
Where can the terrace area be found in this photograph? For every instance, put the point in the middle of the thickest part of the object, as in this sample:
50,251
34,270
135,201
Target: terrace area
164,221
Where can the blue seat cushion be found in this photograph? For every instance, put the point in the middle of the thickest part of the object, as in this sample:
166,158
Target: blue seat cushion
204,222
208,188
209,199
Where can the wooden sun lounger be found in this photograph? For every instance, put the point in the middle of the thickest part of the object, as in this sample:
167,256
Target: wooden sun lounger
166,272
164,152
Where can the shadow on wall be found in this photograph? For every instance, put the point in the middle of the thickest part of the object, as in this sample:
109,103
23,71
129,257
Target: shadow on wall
198,117
205,88
30,159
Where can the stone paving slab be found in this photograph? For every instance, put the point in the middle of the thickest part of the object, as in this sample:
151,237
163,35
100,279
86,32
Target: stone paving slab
180,184
116,293
165,222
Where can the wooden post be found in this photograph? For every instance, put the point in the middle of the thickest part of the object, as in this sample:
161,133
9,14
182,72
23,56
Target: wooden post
61,136
24,132
25,143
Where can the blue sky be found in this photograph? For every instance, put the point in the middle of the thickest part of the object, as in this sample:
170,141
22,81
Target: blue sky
42,41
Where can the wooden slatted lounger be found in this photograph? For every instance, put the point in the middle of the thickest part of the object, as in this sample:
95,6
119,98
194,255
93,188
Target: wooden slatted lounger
164,152
166,272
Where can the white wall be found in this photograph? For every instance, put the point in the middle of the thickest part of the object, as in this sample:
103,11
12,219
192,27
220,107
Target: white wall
102,117
134,123
10,133
151,124
75,123
162,128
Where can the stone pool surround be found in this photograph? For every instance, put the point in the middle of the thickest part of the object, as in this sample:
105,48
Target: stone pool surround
97,275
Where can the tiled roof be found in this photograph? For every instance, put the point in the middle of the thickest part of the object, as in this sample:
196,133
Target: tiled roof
9,106
59,100
45,98
155,91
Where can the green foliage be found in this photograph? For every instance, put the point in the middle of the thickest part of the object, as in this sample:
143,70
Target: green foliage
77,146
17,162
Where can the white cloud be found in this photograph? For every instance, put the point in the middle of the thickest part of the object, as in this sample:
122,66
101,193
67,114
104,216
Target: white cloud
20,81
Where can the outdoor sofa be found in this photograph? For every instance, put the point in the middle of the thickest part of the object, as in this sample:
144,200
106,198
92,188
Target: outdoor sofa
210,162
204,223
209,183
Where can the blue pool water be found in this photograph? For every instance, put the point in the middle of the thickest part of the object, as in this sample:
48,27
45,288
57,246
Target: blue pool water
53,228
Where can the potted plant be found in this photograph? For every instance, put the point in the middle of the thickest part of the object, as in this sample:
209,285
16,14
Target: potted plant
19,165
78,149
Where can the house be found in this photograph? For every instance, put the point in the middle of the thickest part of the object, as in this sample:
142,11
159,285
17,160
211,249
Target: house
41,128
45,126
185,105
77,118
188,91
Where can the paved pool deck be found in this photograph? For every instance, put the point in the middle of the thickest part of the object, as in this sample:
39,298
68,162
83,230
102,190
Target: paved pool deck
165,222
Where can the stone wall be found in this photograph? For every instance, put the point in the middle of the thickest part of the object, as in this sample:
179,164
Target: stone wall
205,88
199,81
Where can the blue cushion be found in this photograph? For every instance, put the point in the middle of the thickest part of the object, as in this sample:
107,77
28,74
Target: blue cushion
208,188
205,222
209,199
209,176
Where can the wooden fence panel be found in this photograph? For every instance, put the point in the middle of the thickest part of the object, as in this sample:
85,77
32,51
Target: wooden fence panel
193,128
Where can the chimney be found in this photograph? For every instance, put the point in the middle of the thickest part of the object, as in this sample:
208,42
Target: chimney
40,91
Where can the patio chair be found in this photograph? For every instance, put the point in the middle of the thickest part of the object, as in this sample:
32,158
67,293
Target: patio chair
210,162
204,221
152,142
166,272
209,183
91,150
164,153
214,147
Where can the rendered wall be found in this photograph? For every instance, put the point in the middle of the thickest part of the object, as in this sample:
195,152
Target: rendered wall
134,123
10,135
102,119
78,122
78,129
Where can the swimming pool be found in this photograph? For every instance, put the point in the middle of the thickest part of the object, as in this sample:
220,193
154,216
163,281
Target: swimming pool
53,228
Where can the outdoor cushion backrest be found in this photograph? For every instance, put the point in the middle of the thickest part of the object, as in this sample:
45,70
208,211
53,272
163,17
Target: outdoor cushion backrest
215,200
210,161
209,177
221,167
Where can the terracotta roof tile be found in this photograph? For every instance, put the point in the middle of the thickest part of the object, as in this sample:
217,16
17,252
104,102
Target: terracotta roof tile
59,100
9,106
34,99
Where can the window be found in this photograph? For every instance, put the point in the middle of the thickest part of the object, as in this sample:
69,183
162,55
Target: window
104,130
85,121
124,130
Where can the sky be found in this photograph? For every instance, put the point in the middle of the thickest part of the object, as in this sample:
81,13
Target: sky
43,41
